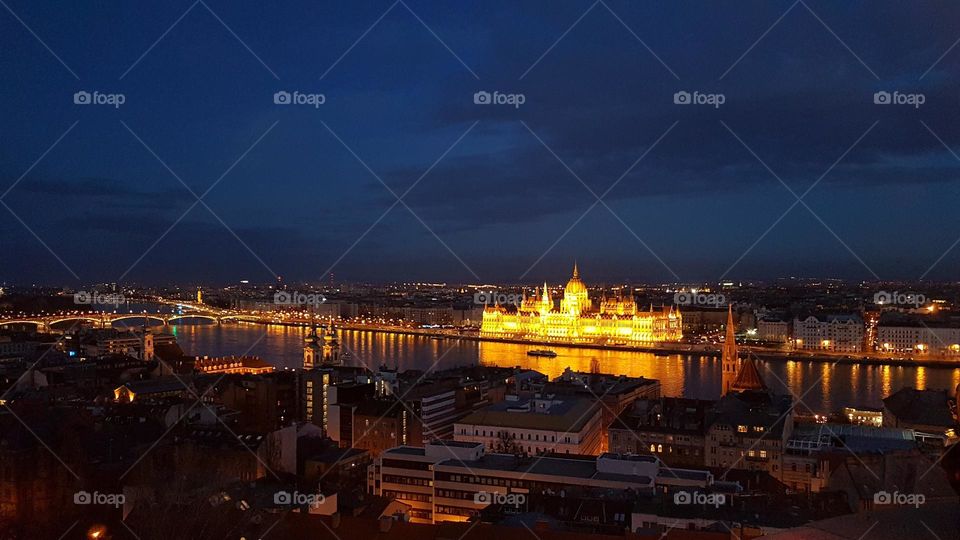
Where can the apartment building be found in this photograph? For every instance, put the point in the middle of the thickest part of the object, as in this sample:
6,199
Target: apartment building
564,425
836,333
750,431
454,481
673,429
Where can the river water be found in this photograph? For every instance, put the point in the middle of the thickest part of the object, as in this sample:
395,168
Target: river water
819,386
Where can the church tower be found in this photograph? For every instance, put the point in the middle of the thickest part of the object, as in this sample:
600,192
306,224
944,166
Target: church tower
331,346
311,349
729,359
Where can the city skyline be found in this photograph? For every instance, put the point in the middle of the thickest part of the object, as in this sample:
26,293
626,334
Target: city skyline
593,269
499,191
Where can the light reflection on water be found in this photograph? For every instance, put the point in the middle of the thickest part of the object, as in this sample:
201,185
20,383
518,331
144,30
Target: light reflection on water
821,386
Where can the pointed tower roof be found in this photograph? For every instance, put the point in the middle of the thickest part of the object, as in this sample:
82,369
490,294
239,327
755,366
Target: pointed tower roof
748,377
576,271
730,341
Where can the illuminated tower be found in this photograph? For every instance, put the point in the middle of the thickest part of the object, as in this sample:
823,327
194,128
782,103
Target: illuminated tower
331,346
576,298
729,358
312,352
199,296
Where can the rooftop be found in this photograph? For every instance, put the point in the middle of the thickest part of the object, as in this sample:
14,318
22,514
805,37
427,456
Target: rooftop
567,414
857,438
931,407
564,468
754,408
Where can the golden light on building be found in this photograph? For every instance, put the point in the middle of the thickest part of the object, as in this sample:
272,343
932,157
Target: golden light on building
615,321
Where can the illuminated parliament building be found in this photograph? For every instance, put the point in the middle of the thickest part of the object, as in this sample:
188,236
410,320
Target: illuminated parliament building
615,321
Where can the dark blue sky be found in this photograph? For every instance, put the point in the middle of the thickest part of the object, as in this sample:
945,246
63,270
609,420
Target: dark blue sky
497,202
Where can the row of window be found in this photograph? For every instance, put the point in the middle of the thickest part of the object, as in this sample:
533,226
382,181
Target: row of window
630,435
534,437
456,494
407,480
658,449
456,511
407,496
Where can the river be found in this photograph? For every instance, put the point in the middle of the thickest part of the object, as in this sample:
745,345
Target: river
820,387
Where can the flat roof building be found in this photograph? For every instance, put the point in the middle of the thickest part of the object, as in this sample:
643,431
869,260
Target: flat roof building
565,425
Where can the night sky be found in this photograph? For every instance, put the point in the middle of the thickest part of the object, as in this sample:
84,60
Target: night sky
696,192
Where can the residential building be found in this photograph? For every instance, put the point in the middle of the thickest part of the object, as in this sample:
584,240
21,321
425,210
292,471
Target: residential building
455,481
836,333
320,387
673,429
565,425
911,334
773,330
614,393
750,431
266,402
